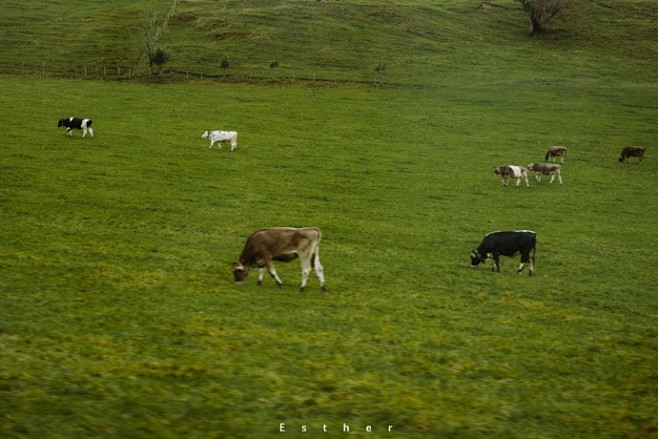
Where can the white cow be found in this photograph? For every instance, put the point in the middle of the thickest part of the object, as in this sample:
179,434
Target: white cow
221,136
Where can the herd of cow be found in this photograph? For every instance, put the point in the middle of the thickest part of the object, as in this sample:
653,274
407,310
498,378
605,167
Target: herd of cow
539,169
553,169
285,244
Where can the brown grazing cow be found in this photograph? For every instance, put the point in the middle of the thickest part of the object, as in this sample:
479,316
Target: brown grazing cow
632,151
284,244
551,169
556,151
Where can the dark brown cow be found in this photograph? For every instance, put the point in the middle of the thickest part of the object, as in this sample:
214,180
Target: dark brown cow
632,151
283,244
556,151
551,169
507,172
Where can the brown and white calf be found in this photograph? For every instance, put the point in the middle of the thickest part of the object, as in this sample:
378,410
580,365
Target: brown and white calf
283,244
556,151
507,172
632,151
551,169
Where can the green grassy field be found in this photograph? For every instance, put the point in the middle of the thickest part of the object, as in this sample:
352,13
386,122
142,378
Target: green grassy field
119,317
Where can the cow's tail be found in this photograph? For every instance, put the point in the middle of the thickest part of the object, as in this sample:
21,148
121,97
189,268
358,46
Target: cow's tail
315,256
315,262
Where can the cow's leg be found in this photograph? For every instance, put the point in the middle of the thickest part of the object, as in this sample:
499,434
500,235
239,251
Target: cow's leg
261,274
68,131
505,180
84,131
538,177
496,263
234,145
524,259
559,177
270,267
525,177
306,269
91,132
528,258
212,142
552,178
319,271
518,181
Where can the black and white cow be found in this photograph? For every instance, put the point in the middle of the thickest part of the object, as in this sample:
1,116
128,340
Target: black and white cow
632,151
507,243
511,171
77,123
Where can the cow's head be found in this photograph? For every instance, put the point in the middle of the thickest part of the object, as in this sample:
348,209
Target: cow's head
239,272
476,258
205,134
60,123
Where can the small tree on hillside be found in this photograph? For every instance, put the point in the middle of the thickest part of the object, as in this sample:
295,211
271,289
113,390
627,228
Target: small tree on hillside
160,58
540,12
149,36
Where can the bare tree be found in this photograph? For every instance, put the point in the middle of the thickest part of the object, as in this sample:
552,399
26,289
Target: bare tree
150,36
540,12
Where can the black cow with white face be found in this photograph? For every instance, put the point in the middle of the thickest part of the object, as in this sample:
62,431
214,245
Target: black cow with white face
507,243
77,123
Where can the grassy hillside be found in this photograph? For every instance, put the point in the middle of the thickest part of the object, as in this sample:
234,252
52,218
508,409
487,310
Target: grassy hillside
118,314
420,42
66,36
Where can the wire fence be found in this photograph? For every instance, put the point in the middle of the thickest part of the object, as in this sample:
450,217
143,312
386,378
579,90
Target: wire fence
46,70
113,72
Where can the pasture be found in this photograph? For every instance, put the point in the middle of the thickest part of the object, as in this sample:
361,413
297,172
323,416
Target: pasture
119,316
